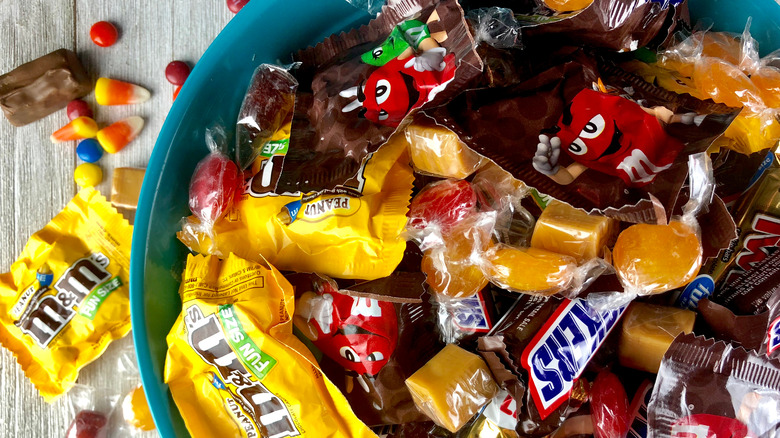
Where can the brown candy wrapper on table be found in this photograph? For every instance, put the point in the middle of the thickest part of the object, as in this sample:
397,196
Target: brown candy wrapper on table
368,346
758,220
36,89
416,53
532,357
617,153
712,389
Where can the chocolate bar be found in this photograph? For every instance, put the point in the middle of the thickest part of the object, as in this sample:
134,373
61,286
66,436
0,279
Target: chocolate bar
36,89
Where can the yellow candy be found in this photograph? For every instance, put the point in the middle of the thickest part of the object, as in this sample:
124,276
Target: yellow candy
566,230
651,259
531,270
452,271
748,134
567,5
88,175
648,331
439,152
136,411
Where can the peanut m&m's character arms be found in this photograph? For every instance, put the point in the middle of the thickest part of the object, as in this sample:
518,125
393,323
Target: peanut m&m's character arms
413,68
612,135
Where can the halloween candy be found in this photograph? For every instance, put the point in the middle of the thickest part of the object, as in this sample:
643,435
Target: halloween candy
36,89
78,128
114,137
223,383
56,325
115,92
358,87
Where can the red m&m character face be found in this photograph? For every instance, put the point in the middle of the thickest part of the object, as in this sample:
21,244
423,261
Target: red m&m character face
360,334
614,135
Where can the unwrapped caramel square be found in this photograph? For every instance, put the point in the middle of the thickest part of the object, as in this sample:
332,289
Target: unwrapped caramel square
126,187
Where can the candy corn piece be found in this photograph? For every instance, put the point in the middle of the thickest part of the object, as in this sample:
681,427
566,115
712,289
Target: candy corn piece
113,92
116,136
78,128
176,92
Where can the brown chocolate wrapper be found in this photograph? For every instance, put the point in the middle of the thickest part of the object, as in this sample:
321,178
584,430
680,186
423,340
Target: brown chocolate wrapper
502,349
716,390
757,217
770,344
749,294
36,89
329,151
745,330
620,25
736,173
382,398
503,124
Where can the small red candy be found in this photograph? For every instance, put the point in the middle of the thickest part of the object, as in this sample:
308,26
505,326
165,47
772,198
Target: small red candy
103,33
78,108
608,406
176,72
214,186
443,203
88,424
236,5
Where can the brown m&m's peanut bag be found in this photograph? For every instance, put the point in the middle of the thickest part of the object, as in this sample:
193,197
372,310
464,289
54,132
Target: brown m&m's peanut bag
234,366
66,296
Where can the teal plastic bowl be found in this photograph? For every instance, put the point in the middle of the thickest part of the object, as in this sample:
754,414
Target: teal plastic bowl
264,31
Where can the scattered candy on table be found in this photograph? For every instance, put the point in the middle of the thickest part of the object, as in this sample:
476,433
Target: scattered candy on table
89,150
114,92
78,128
78,108
236,5
103,33
87,175
115,137
176,72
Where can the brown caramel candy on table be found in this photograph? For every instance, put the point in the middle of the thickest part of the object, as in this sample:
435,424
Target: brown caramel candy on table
36,89
648,331
126,187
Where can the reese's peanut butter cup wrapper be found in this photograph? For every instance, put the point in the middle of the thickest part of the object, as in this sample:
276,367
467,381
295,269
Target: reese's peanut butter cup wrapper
364,83
66,298
593,146
713,389
234,366
369,345
538,352
351,232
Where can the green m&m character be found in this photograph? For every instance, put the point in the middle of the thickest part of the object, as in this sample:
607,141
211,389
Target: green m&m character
406,36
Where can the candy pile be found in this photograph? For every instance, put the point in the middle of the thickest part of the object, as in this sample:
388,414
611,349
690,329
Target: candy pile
497,223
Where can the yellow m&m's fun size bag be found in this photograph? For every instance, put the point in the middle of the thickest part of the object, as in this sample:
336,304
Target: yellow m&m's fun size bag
66,297
234,366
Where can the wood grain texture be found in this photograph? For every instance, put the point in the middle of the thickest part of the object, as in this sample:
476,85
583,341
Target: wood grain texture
36,177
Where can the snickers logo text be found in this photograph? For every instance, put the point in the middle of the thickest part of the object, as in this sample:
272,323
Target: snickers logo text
773,337
557,355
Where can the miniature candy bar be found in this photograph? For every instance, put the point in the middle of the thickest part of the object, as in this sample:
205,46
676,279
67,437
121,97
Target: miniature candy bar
569,231
452,387
113,92
652,258
126,187
438,151
531,270
647,332
80,127
116,136
36,89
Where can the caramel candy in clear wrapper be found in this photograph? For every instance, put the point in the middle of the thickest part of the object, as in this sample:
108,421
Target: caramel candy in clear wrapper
126,187
531,270
569,231
652,258
648,331
452,387
439,152
36,89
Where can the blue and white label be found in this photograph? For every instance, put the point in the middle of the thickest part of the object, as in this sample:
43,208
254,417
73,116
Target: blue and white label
559,352
773,337
471,315
700,288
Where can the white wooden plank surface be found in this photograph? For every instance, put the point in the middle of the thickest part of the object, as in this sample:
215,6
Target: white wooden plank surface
36,177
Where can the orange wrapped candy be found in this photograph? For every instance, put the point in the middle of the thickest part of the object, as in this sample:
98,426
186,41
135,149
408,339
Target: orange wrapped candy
531,270
453,269
567,5
726,83
651,259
